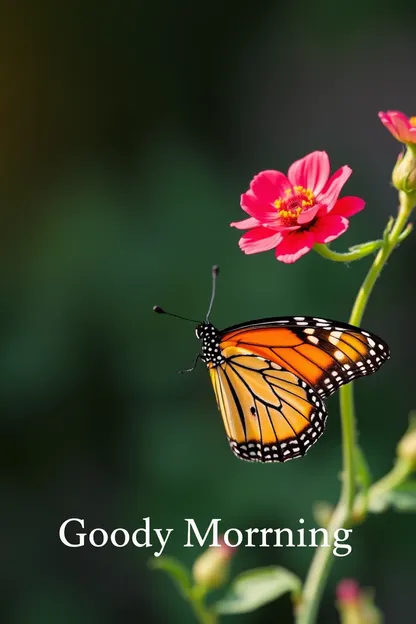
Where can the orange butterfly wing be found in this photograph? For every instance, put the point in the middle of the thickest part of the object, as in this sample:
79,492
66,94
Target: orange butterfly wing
325,354
269,413
272,375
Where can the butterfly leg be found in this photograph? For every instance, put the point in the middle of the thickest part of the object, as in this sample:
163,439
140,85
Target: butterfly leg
189,370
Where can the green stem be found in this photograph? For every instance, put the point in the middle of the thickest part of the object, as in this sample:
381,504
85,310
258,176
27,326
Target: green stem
375,270
321,563
319,571
349,440
355,253
364,479
203,614
341,518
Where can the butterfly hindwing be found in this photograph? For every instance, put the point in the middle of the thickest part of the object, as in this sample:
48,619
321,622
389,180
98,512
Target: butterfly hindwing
269,413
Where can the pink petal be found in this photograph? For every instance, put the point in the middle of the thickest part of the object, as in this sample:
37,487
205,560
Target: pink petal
259,239
279,227
245,224
259,209
399,125
311,172
329,228
307,215
293,246
394,114
411,135
269,185
274,225
329,194
348,206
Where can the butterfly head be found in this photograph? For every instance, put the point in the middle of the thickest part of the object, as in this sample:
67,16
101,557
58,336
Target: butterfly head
210,338
205,331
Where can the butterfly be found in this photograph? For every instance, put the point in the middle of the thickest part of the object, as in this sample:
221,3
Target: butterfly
271,378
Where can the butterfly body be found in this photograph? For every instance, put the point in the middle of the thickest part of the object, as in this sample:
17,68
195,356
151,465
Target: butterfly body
210,338
271,376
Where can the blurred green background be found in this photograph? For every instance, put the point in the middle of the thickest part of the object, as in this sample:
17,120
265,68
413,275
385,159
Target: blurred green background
128,132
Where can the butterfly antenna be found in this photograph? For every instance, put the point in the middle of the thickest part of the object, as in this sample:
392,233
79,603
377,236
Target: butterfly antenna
160,310
215,273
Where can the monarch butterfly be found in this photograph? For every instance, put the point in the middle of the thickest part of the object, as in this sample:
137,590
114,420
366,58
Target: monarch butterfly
271,376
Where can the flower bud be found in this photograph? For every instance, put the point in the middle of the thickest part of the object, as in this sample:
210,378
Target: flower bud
355,605
211,569
348,592
404,172
322,512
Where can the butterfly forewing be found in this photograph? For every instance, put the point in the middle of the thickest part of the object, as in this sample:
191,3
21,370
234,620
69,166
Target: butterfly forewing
325,354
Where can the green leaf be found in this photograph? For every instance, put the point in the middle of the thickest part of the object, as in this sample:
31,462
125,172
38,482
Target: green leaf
178,572
402,498
255,588
388,228
406,232
379,504
407,486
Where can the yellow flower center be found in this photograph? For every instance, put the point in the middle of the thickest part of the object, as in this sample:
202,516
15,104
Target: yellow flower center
412,121
295,200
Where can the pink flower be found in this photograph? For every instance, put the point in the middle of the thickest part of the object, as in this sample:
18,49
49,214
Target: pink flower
401,127
291,213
